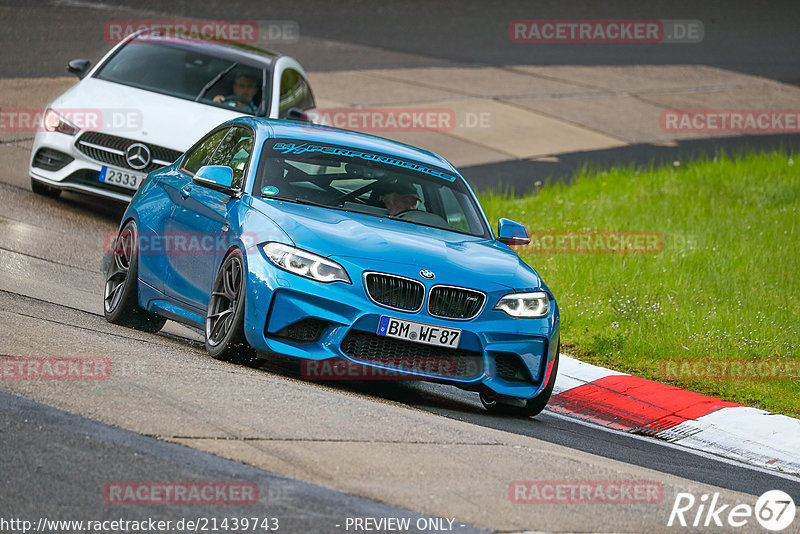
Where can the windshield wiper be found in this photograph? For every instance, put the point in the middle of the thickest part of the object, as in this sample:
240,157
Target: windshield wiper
303,201
214,80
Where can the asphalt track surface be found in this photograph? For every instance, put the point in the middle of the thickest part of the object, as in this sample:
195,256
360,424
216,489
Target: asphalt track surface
35,438
75,455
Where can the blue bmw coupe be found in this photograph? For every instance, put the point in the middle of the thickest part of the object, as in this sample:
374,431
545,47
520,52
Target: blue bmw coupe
279,237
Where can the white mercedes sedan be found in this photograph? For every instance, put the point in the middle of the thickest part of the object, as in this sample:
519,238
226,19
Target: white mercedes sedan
147,101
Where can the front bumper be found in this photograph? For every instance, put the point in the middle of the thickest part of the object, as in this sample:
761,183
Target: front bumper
57,162
79,175
290,315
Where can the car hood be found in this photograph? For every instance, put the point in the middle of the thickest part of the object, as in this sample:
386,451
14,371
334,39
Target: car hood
453,257
142,115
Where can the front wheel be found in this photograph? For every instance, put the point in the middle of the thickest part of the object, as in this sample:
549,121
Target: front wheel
121,295
532,406
224,328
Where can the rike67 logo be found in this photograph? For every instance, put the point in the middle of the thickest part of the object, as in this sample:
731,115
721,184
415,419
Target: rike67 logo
774,510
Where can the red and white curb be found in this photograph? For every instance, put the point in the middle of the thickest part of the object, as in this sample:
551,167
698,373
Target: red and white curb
632,404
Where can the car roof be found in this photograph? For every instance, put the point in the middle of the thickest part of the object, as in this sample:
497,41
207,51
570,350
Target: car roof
230,50
286,129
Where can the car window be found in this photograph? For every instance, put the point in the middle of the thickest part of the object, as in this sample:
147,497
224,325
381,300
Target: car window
240,89
295,93
183,73
234,151
454,207
368,183
201,155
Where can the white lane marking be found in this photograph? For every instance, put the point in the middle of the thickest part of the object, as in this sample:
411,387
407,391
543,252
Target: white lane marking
573,373
85,4
748,436
696,452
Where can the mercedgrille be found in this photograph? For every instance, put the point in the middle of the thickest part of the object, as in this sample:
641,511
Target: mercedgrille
394,291
455,302
396,354
111,149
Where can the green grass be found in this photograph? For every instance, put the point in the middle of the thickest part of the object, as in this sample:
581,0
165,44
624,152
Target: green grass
724,287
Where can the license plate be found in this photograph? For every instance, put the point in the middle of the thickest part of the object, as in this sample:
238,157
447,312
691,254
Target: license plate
128,179
419,332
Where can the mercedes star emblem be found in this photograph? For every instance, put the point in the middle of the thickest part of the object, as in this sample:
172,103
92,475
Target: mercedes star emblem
137,156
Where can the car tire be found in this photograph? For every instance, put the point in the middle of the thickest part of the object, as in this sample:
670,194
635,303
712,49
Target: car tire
43,189
121,294
224,325
532,406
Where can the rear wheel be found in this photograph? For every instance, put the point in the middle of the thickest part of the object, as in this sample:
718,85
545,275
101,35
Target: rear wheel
121,295
532,406
43,189
224,328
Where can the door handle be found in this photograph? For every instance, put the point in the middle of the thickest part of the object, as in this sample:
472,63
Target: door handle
185,190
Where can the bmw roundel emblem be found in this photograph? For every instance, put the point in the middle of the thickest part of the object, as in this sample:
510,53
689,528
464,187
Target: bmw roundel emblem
425,273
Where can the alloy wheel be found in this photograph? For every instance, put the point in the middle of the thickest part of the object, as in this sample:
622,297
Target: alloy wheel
224,301
119,269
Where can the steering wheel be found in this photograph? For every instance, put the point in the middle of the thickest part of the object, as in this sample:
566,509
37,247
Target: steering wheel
423,217
404,214
234,100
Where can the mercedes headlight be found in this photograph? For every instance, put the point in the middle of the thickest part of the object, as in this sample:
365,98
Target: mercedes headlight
305,264
536,304
55,122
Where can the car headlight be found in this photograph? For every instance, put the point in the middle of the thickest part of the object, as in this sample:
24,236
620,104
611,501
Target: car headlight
304,263
536,304
55,122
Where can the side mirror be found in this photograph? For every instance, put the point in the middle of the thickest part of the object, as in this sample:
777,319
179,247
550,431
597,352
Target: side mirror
79,67
216,177
297,114
512,233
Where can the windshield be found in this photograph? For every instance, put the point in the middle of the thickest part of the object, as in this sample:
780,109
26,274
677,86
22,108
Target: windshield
184,73
368,183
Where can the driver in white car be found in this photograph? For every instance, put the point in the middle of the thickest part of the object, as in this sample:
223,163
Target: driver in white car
245,88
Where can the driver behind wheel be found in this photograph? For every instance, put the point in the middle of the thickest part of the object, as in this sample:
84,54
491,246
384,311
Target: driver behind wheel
245,89
401,197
